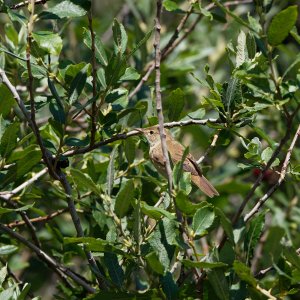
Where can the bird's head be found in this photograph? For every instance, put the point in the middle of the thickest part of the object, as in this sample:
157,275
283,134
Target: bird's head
152,134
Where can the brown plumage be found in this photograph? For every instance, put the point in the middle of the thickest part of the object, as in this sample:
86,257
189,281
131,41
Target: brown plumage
176,151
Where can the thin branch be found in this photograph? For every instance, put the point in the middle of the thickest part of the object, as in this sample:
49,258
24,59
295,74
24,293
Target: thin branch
79,230
62,271
283,172
210,147
25,3
38,219
22,186
158,95
175,41
25,218
124,136
94,76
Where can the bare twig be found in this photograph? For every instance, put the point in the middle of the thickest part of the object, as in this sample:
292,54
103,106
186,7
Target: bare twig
54,265
25,3
22,186
53,173
124,136
158,95
79,230
211,146
38,219
94,80
175,41
283,171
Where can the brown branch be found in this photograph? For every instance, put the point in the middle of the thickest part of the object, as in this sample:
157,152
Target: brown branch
210,147
175,41
94,76
38,219
62,271
25,3
283,172
25,218
158,95
55,175
79,230
124,136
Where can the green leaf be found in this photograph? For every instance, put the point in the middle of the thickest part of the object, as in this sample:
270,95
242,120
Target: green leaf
130,148
161,245
154,263
83,180
169,286
242,53
219,283
266,154
124,198
9,139
25,291
3,274
101,77
251,45
175,103
23,166
115,272
48,41
292,256
202,264
281,25
71,141
64,9
185,205
155,212
232,95
57,111
202,220
130,74
99,48
120,38
77,85
54,92
4,210
244,273
170,5
253,234
226,224
8,249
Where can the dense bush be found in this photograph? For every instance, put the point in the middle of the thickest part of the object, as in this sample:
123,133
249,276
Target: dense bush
84,212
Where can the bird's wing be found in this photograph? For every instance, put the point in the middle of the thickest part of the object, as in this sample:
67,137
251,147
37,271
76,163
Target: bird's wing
177,153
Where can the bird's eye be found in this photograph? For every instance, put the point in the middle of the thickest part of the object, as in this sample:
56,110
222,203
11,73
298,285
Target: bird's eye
151,131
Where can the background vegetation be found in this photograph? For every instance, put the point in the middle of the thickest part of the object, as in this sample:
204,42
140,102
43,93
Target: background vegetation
84,214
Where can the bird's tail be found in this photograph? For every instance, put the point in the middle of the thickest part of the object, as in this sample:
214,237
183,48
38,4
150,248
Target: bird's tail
204,185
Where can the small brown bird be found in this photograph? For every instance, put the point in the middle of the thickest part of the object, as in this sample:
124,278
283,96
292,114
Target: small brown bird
176,151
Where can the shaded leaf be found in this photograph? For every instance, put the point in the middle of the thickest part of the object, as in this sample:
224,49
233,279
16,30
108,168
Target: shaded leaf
124,198
99,48
48,41
281,25
83,180
77,85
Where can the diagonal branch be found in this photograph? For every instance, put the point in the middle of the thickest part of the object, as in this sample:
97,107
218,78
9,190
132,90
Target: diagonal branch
62,271
175,40
283,172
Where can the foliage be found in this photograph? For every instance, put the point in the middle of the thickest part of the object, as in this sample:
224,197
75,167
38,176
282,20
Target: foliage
83,210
